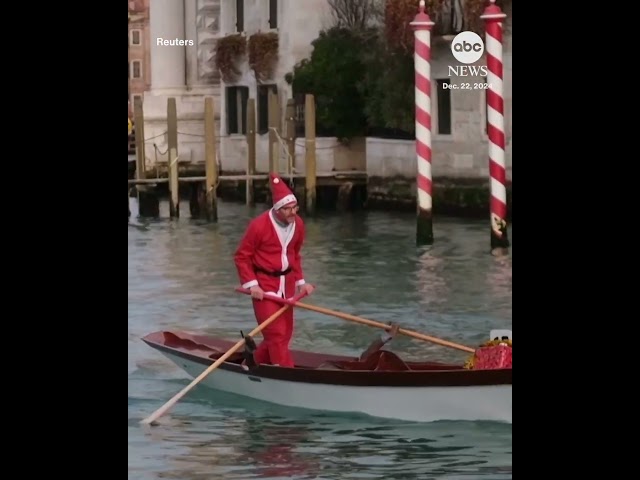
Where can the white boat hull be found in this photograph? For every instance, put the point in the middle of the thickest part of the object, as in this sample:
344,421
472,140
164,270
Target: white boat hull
420,404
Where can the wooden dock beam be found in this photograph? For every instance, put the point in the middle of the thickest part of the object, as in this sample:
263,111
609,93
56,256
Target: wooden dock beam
310,153
148,202
274,130
251,150
290,132
172,140
345,183
211,168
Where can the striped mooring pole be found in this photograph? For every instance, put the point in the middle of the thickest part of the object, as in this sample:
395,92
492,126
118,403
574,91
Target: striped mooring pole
422,56
493,17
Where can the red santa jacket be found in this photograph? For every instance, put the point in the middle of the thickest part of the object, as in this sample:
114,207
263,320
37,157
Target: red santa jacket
267,249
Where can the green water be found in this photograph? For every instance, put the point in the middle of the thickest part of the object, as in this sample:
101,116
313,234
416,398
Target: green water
181,276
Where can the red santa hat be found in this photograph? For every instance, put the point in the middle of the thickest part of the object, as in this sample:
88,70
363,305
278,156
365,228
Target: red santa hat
280,193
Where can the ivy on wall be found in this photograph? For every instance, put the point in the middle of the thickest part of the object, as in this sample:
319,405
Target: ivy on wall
230,51
263,54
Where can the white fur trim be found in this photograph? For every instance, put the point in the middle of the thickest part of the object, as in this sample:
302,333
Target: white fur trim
300,282
284,200
250,284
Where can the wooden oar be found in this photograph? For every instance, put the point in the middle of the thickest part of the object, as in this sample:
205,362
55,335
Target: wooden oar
364,321
163,409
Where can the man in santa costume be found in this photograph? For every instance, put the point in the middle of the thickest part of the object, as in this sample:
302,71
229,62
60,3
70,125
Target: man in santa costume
269,263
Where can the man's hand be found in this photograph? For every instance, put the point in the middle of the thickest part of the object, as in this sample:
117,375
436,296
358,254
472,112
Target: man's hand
307,288
390,333
394,329
257,292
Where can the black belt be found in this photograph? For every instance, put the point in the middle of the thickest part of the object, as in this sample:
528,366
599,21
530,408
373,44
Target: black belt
272,274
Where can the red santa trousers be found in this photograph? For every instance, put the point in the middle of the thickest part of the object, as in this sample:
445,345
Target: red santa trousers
274,349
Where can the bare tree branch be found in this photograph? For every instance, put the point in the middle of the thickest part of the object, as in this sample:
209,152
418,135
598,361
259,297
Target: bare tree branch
356,14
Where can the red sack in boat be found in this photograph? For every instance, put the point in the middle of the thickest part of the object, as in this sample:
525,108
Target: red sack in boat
492,357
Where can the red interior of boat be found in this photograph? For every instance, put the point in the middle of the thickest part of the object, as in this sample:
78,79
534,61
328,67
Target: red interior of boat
214,348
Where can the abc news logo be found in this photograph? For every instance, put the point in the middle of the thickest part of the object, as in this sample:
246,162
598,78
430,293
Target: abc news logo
467,47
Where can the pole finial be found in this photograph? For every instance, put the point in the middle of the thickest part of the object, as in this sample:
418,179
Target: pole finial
422,6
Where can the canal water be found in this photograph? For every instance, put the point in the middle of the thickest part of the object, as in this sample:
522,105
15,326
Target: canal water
181,276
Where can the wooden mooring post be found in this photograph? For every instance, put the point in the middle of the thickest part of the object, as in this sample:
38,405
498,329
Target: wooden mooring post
274,130
211,169
204,190
310,153
148,202
290,132
172,140
251,150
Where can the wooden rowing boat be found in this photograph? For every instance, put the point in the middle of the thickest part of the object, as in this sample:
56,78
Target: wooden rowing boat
382,386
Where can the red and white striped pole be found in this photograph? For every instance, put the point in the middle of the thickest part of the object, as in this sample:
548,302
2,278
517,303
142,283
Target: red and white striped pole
422,56
493,17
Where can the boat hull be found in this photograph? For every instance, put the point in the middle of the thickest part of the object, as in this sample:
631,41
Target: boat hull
410,403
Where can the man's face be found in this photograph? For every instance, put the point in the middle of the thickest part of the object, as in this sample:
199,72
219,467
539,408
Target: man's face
288,212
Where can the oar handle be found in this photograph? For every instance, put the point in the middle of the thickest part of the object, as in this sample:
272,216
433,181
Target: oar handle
364,321
165,408
284,301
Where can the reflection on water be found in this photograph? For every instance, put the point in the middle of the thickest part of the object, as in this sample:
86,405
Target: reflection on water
499,277
181,275
252,440
431,285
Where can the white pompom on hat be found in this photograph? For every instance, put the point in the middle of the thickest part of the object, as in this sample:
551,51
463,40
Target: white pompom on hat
280,193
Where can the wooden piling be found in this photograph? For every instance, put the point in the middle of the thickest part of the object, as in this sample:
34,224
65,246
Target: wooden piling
138,118
274,130
291,135
310,153
148,201
499,237
211,169
172,140
251,150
